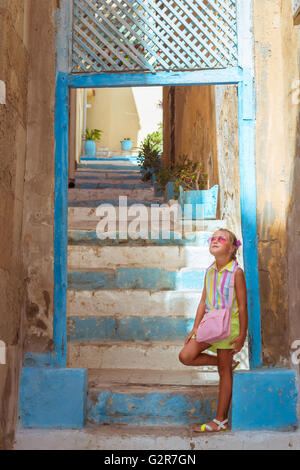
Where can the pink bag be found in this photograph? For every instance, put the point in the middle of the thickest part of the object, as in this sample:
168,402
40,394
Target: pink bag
215,325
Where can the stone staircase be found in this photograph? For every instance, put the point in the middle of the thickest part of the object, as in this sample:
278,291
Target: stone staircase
131,304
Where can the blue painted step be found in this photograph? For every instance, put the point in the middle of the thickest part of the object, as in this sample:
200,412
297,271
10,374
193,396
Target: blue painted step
98,176
136,278
97,185
99,329
113,202
89,238
104,166
151,405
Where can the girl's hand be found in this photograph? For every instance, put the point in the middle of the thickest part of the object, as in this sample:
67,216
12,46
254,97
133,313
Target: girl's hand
193,332
238,344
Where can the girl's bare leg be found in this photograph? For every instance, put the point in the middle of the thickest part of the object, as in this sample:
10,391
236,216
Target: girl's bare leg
224,359
192,355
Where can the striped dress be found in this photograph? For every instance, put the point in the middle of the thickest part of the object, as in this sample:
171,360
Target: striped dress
217,294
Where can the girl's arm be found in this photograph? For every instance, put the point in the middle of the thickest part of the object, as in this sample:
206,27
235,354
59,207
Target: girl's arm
199,315
241,296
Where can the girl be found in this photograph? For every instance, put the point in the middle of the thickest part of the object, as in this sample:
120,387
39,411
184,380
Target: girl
223,246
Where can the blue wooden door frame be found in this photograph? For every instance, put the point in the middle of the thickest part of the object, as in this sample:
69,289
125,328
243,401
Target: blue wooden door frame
234,76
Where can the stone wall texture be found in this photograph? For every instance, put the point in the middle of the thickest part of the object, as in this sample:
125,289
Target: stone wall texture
277,157
27,67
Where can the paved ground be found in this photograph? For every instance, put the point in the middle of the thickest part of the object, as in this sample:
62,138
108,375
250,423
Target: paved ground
123,437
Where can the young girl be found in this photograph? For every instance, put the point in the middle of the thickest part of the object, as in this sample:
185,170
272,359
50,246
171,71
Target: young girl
223,246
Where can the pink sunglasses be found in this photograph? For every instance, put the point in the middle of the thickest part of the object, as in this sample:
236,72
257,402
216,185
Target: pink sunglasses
220,239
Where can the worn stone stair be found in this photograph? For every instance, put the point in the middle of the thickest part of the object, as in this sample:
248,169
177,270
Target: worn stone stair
131,303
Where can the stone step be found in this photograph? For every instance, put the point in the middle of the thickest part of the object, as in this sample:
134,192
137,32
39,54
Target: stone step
101,303
109,184
85,329
115,166
136,278
149,438
107,174
114,202
147,397
174,257
141,195
152,355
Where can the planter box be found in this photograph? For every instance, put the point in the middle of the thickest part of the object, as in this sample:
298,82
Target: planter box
198,204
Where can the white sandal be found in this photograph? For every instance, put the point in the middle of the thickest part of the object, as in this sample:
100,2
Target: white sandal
206,427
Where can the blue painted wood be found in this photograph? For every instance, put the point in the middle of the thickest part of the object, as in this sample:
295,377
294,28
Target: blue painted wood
61,218
249,227
229,76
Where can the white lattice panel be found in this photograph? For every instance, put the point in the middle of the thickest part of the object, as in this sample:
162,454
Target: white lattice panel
153,35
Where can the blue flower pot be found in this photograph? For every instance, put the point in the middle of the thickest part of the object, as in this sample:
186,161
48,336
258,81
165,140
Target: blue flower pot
126,145
90,148
199,204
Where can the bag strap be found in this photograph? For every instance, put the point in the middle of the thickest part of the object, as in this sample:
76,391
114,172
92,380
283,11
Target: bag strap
231,285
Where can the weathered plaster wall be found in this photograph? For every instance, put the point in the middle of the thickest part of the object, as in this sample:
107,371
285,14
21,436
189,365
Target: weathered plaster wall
14,63
276,68
226,102
39,177
206,129
195,127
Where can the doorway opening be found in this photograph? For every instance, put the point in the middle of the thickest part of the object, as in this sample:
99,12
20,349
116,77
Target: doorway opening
125,292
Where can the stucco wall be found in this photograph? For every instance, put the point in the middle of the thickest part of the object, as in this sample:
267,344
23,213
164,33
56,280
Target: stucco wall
195,127
14,62
124,112
276,67
226,102
39,177
206,129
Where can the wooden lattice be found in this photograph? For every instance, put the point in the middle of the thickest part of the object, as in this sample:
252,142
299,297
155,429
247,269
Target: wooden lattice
153,35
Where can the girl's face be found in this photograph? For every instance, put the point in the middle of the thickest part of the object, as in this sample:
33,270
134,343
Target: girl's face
220,244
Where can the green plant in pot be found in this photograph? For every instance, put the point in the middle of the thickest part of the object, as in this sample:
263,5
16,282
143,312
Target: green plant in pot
149,157
195,199
91,136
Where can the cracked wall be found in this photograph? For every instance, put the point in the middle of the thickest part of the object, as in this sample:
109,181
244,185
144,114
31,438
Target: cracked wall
276,68
27,67
14,63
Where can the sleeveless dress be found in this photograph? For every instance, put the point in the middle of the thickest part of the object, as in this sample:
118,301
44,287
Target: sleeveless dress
217,294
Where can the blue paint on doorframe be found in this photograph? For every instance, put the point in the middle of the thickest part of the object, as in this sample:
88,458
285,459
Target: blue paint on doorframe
61,219
248,192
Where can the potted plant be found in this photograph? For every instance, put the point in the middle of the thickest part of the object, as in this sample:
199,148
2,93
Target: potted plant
149,157
187,182
126,143
91,135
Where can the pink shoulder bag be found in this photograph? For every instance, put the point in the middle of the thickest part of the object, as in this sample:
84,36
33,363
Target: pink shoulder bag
215,325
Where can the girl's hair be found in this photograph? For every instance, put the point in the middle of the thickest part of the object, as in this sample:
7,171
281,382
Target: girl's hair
233,240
